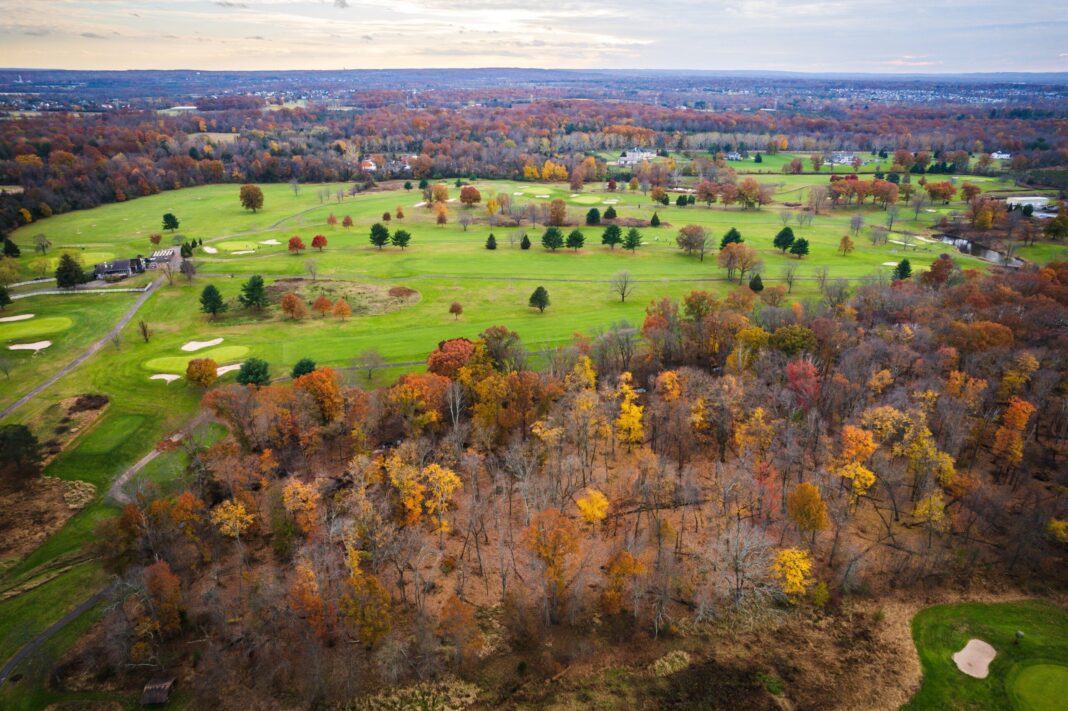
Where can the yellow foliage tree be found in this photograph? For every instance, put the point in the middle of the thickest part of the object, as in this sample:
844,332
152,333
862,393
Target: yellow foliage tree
301,501
621,569
593,507
231,518
409,485
441,482
629,423
792,569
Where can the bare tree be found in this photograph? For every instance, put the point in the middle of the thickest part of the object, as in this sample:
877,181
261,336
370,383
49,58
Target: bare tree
856,223
785,217
5,366
822,274
369,361
168,271
817,198
312,268
918,204
624,285
891,215
789,275
465,219
295,185
145,331
878,235
188,269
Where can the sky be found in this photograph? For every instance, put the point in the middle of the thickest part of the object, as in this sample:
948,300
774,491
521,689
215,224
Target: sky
886,36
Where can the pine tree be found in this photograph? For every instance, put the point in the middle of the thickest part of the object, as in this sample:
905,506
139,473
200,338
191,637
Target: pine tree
799,247
5,298
553,239
903,270
525,244
539,299
756,284
170,222
11,249
303,367
733,235
593,217
379,235
612,236
69,272
401,238
254,371
784,239
575,240
253,293
655,221
633,240
211,301
491,242
610,213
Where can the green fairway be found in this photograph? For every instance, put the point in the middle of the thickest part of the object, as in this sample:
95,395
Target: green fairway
1031,675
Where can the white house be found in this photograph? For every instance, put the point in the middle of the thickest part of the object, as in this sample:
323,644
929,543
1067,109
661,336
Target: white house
1035,201
1000,155
634,156
734,155
368,165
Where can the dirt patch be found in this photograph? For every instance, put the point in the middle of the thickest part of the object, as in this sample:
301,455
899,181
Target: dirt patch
363,299
30,515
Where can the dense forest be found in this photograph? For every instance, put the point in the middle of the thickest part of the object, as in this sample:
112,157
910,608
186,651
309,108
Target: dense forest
727,460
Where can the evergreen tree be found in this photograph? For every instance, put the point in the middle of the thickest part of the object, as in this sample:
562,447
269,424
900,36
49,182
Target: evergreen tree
681,201
575,240
423,184
303,367
758,158
211,301
379,235
186,251
254,371
756,284
733,235
612,236
610,213
69,272
799,247
539,299
170,222
525,243
553,239
5,298
593,217
11,249
491,242
253,293
784,239
655,221
633,240
407,185
401,238
903,270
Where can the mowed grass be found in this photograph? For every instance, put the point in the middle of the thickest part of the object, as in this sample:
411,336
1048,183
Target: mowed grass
16,331
177,364
1031,675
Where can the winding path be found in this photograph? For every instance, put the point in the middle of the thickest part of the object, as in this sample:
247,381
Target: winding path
85,355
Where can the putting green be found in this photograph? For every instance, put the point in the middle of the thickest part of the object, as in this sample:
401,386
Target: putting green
234,245
587,199
178,364
88,259
34,327
1040,687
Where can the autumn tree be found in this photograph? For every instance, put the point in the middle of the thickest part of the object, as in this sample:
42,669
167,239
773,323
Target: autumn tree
296,244
629,422
792,569
202,371
165,598
470,196
341,309
807,509
251,197
693,238
319,241
293,306
552,539
322,305
845,245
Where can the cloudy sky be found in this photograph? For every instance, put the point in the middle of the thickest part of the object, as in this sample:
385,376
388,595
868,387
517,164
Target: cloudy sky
801,35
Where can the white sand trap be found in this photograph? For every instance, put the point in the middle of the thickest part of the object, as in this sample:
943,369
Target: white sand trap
420,204
20,317
541,196
518,193
169,377
451,200
197,345
210,250
224,369
38,346
929,210
244,251
574,194
974,659
270,241
889,264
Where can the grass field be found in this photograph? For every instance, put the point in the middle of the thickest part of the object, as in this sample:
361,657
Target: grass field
1029,676
443,264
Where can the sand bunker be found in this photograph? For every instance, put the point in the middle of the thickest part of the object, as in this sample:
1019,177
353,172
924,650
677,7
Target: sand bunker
518,193
197,345
223,370
210,250
20,317
419,204
244,251
169,377
541,196
39,345
271,242
889,264
974,659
